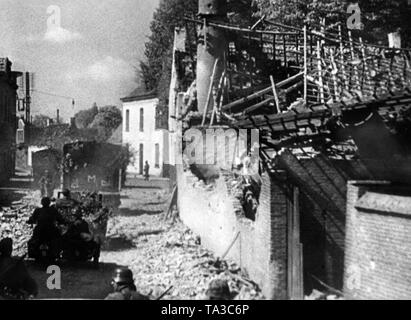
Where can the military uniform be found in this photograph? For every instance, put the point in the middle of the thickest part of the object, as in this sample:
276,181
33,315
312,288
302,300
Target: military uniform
15,280
218,289
147,172
45,186
126,293
124,287
45,220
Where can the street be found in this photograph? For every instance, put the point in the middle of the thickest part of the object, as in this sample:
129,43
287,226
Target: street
160,253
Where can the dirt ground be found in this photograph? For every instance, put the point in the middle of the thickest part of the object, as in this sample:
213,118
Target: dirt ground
160,253
81,281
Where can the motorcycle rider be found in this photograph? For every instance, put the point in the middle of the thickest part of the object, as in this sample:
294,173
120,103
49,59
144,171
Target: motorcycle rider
124,288
15,280
78,239
46,184
46,220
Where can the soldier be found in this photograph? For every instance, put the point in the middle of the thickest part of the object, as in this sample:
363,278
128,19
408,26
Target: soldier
79,240
146,171
123,285
45,185
46,220
15,280
218,290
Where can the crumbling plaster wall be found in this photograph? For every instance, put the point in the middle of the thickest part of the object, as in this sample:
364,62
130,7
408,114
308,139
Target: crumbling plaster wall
217,217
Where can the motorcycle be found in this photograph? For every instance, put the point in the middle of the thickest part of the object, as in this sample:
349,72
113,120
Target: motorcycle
43,250
81,249
69,247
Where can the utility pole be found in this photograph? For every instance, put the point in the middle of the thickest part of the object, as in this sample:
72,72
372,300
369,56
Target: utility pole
211,50
28,98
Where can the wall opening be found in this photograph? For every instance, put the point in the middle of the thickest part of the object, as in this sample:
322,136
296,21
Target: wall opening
127,120
313,237
141,120
141,154
157,155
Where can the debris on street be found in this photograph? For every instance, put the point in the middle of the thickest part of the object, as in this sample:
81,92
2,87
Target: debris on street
13,221
163,254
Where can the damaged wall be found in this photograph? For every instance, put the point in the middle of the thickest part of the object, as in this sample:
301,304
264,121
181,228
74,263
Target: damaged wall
217,217
378,243
323,185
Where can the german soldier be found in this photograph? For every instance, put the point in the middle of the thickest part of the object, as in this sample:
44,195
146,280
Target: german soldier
15,280
123,285
218,290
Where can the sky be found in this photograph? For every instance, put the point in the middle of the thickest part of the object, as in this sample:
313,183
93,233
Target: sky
85,50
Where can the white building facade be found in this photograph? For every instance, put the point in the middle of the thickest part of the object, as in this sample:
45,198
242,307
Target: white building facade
141,135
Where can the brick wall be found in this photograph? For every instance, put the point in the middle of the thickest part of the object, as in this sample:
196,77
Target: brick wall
378,243
217,217
322,182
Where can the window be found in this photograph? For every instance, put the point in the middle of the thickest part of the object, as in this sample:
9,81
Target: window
127,120
141,120
157,157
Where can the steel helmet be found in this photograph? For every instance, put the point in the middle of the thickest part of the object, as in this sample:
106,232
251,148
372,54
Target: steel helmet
218,290
123,275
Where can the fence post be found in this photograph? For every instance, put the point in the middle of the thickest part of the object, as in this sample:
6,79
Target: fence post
320,72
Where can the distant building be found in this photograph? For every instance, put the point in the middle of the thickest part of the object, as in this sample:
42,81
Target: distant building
117,136
146,141
51,137
8,120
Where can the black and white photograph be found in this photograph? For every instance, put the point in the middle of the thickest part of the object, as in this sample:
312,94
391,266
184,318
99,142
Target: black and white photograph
197,150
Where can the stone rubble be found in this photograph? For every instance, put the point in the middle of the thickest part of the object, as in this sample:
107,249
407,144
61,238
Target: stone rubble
13,222
167,254
170,255
318,295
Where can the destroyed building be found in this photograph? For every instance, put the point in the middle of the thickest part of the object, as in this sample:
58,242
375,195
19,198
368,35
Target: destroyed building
328,207
8,121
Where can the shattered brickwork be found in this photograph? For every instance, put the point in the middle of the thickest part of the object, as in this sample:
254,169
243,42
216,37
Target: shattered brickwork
217,217
378,247
323,185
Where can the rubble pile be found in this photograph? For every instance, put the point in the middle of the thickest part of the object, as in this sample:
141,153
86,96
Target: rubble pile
318,295
13,222
170,255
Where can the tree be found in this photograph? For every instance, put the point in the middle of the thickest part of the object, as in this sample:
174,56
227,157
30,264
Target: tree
84,118
298,12
106,121
385,16
379,17
169,15
155,70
